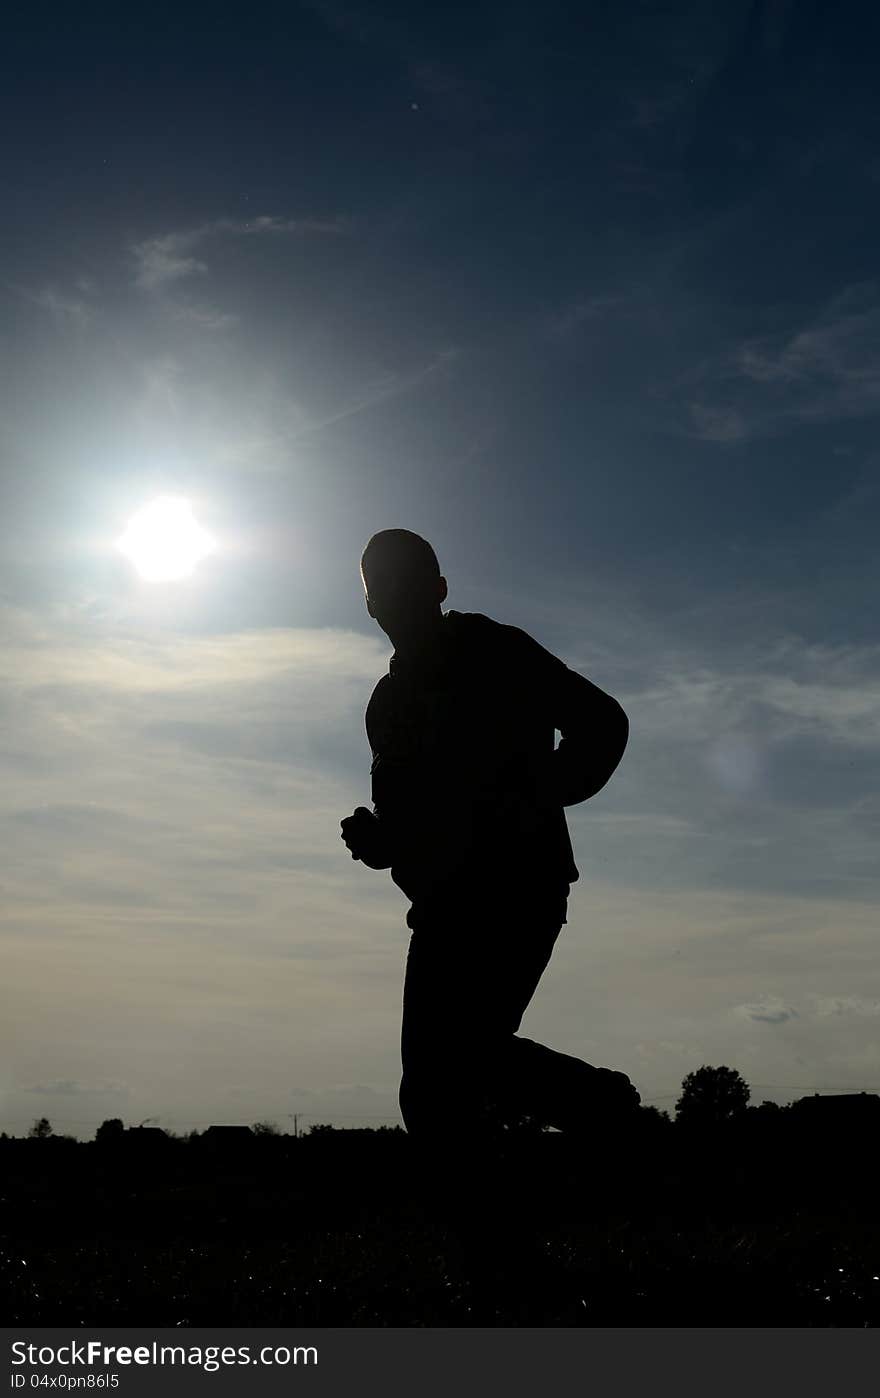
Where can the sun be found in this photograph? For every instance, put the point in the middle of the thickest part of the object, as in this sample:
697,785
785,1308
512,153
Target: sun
163,540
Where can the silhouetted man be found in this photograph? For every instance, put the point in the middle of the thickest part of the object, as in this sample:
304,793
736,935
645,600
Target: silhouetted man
469,793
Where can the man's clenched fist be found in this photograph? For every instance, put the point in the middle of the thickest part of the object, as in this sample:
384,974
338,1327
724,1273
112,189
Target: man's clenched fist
362,833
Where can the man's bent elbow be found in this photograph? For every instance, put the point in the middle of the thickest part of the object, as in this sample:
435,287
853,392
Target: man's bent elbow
623,729
617,737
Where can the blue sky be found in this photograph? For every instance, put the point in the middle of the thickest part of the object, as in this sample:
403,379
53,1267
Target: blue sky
589,297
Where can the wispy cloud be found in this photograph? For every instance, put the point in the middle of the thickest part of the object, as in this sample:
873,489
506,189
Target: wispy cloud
769,1009
826,1006
170,257
205,317
167,259
67,1087
389,385
824,370
712,423
840,346
561,324
65,306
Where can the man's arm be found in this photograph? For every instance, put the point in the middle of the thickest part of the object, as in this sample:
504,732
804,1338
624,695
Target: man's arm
593,725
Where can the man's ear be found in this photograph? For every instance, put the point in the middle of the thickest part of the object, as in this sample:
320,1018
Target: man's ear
443,590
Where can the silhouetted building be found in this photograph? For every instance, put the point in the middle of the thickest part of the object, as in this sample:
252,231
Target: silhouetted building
146,1137
841,1128
227,1137
843,1108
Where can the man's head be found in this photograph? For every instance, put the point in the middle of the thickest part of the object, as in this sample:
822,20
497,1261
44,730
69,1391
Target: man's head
403,585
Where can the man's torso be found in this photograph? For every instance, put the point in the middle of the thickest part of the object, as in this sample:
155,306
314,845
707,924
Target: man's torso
459,739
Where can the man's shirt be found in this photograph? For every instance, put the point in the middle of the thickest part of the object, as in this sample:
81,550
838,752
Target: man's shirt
466,779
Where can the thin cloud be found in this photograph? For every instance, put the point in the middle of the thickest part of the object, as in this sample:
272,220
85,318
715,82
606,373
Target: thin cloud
42,654
716,424
63,306
390,385
832,1006
68,1087
563,323
767,1010
840,346
824,370
788,689
205,317
171,257
167,259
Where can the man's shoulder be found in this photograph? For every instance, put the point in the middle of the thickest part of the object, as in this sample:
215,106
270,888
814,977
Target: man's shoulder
476,626
470,621
486,634
474,636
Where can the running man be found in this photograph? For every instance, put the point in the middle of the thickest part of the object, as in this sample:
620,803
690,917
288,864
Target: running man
468,795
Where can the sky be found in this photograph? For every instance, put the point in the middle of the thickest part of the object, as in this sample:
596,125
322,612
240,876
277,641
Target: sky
588,296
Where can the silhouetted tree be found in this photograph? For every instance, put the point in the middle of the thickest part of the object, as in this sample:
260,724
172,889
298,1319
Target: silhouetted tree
110,1131
710,1096
655,1116
648,1109
41,1129
265,1128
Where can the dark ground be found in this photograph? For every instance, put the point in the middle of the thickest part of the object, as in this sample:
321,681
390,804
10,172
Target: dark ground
328,1230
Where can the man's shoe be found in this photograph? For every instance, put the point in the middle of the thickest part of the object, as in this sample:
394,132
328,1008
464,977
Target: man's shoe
604,1101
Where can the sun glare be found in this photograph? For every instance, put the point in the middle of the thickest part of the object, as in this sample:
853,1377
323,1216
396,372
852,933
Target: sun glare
163,540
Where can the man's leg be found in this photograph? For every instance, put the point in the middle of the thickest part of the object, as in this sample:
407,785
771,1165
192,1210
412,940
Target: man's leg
471,970
471,973
555,1088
